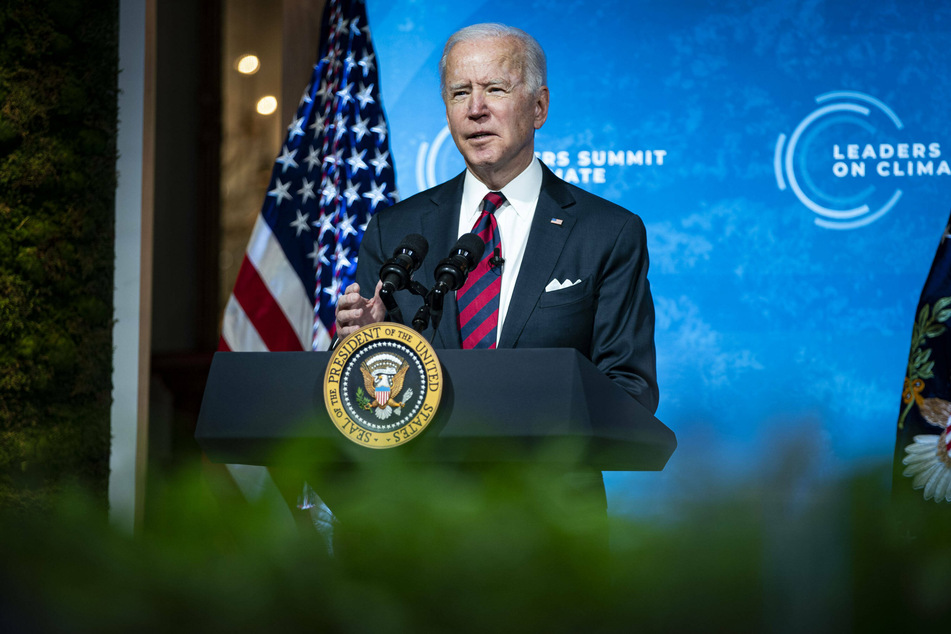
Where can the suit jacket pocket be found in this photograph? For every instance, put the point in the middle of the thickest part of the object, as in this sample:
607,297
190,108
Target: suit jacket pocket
562,319
571,295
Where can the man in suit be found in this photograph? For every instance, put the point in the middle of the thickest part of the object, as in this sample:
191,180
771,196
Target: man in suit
570,270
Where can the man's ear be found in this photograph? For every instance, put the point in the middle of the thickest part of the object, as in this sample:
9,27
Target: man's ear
541,107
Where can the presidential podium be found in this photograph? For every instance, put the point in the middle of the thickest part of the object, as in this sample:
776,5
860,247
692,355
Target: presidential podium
497,406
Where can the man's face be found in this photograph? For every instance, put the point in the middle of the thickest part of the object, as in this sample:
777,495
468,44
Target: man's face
491,113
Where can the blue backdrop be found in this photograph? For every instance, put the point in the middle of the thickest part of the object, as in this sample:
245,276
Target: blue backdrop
790,162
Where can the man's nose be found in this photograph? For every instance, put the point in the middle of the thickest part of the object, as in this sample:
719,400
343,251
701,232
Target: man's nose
476,104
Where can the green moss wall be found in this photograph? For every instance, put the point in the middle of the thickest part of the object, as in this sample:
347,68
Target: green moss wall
58,77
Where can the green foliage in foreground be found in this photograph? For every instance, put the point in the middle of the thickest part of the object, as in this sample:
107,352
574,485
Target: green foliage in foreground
438,552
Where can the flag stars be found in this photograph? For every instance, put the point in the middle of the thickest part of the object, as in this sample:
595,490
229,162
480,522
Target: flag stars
380,130
352,193
380,162
328,193
342,26
319,254
334,287
321,251
286,159
364,96
375,195
360,127
340,127
296,129
332,159
313,255
313,158
280,191
301,223
346,227
366,62
326,224
344,94
325,92
306,191
341,258
356,161
318,125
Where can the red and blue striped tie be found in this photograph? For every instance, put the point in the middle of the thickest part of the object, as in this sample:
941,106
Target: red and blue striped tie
478,299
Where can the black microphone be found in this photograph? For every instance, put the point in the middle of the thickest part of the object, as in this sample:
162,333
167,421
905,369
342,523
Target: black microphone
452,271
496,260
398,270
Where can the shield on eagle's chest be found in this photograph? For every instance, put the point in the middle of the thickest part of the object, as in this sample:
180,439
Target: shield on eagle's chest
382,394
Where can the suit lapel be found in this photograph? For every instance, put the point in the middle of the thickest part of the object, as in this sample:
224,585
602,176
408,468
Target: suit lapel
546,241
441,223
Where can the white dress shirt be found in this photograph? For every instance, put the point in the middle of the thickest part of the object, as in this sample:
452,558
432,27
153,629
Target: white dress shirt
514,218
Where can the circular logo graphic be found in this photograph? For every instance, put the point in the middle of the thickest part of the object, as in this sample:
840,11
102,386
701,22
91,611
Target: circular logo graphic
382,385
430,159
826,158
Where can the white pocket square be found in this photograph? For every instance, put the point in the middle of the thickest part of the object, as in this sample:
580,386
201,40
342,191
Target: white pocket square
555,285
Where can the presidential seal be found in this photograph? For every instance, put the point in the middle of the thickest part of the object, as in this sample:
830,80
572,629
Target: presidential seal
382,385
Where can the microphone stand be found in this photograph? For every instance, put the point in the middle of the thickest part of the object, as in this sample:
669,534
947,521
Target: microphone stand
392,308
435,301
421,319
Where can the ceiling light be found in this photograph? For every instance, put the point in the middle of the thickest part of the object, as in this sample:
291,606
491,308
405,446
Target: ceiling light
248,64
267,105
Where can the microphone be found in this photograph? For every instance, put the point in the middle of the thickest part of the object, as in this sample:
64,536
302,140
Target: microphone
496,260
452,271
398,270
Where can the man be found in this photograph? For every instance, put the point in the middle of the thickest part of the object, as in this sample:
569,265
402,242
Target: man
563,268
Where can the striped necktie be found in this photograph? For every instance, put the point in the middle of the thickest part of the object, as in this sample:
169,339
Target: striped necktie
478,299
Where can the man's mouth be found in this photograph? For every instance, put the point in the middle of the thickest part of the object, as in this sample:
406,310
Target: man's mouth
479,135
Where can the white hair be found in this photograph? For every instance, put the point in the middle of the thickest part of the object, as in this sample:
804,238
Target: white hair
533,65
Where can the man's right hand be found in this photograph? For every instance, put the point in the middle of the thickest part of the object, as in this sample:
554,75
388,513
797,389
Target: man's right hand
354,312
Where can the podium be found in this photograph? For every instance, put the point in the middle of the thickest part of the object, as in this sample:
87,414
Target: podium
497,406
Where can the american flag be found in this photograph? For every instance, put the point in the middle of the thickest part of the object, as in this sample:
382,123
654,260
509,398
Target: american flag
333,172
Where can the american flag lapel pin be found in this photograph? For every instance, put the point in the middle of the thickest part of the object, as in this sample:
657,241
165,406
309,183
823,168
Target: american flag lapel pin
556,221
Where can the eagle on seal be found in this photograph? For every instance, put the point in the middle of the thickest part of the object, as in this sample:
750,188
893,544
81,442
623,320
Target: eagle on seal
371,383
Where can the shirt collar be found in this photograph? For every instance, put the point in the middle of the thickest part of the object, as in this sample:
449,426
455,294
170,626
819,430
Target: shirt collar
521,193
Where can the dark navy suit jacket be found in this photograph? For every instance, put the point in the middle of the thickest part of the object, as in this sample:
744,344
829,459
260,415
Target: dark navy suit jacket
608,317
